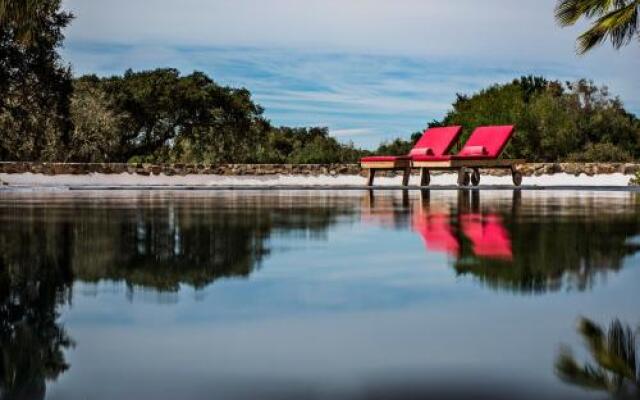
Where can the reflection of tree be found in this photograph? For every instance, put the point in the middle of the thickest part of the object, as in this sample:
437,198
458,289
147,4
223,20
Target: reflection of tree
163,247
522,245
552,253
193,243
163,242
616,369
156,243
35,279
555,246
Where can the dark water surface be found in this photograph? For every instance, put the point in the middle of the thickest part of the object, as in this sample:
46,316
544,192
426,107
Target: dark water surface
306,295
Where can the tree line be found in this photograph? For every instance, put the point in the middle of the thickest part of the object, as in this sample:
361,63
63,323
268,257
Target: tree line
556,121
162,115
156,116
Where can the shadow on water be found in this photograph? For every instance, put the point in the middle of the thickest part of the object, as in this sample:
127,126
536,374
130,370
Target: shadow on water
616,368
524,246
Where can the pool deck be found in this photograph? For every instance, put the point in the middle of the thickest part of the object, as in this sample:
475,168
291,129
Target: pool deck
319,188
442,182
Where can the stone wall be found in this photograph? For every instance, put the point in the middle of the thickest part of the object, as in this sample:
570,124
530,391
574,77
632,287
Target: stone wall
531,169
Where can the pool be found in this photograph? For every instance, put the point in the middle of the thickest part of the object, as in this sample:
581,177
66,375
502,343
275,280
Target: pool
318,294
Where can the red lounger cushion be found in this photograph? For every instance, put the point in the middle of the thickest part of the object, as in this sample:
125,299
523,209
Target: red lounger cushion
492,138
384,158
439,140
426,151
473,151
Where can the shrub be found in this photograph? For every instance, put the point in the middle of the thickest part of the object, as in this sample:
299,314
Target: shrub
601,152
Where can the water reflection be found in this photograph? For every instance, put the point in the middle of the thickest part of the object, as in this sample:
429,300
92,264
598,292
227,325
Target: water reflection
161,242
35,278
148,242
451,233
525,246
615,354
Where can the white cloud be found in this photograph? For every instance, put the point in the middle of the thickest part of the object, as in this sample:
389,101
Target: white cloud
496,28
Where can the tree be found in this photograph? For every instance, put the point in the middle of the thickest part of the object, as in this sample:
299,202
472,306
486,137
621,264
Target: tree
34,85
172,117
400,146
22,15
96,125
554,121
616,20
304,146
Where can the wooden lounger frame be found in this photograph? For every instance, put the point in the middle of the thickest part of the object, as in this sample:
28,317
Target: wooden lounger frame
464,178
395,165
463,167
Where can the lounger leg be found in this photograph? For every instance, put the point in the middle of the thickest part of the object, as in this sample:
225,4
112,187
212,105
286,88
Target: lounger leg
425,178
405,176
371,176
516,175
463,177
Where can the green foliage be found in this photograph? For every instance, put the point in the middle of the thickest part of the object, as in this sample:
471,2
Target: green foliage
174,117
23,17
399,146
97,126
616,20
554,121
162,116
601,152
305,146
635,181
34,85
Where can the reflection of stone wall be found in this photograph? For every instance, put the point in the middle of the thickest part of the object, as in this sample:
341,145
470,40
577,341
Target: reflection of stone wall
286,169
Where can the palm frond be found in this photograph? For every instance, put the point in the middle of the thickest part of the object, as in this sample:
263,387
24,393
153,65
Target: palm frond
619,26
568,12
589,376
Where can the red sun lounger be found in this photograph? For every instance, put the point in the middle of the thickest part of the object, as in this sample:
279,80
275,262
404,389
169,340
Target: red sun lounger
482,150
434,144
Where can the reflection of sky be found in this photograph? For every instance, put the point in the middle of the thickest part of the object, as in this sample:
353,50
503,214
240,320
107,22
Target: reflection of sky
363,305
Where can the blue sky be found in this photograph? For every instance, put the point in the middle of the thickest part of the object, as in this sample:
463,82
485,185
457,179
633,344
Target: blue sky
370,70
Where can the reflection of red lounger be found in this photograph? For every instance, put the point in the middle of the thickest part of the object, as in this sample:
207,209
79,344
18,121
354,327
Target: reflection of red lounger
488,235
435,230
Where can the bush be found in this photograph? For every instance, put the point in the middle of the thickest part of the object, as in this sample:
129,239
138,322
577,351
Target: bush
554,121
96,132
601,152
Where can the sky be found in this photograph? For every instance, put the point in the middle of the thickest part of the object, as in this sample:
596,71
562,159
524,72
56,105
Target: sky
370,70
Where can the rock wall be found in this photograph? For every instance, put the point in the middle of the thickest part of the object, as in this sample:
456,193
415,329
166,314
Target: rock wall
531,169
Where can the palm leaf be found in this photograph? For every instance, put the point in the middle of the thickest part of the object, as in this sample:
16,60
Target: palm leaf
619,26
568,12
587,376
